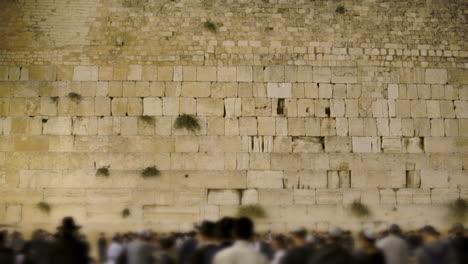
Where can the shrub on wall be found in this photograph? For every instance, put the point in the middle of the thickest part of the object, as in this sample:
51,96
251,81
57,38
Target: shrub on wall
103,171
458,210
359,209
125,213
340,9
210,26
150,172
76,97
253,211
147,119
188,122
43,207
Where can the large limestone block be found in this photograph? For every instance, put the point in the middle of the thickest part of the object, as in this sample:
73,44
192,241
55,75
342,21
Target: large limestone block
461,109
344,75
444,195
249,196
58,126
275,197
210,107
307,144
434,179
338,144
378,179
13,214
204,161
436,76
322,74
303,196
279,90
186,144
31,143
366,144
446,144
326,196
391,144
216,179
227,74
244,74
224,197
304,74
274,73
85,73
152,106
171,214
265,179
247,126
196,89
285,161
206,74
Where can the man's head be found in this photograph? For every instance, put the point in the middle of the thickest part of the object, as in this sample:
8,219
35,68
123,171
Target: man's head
299,236
429,233
206,230
278,242
243,228
335,234
394,229
224,228
367,238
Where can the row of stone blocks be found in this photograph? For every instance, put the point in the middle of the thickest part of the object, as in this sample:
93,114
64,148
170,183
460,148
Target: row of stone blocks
233,107
311,90
188,206
233,144
277,73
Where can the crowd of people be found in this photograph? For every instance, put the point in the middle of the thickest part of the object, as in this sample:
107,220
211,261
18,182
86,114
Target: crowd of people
233,241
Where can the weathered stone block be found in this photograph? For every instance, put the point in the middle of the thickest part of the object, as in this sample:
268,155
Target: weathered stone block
265,179
436,76
210,107
279,90
85,73
224,197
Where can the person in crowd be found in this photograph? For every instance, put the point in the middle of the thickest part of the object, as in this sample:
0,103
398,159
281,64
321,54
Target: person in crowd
17,242
459,242
207,247
114,251
332,252
36,250
102,247
224,229
68,248
434,250
7,255
263,246
187,248
242,251
167,254
394,247
301,252
369,253
139,251
278,245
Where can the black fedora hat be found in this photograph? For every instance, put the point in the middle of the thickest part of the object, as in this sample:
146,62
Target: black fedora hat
68,224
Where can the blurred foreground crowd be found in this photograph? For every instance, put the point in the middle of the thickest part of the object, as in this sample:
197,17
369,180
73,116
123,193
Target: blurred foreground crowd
233,241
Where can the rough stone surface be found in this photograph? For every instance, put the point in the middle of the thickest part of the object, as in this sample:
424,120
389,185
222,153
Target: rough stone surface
301,110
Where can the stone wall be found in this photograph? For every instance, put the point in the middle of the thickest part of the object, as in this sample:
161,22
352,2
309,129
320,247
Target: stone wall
303,109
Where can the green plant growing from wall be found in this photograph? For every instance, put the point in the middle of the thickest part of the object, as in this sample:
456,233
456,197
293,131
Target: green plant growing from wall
43,207
103,171
340,9
125,213
147,119
458,210
55,99
359,209
150,172
253,211
210,26
76,97
188,122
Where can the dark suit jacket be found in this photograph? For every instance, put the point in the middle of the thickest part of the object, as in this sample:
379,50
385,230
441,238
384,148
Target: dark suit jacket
68,250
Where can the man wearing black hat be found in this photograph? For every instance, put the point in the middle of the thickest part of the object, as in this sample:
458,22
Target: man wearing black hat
301,252
68,248
207,244
434,250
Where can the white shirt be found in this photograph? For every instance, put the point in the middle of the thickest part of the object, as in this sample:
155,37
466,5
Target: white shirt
278,256
113,253
394,249
241,252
